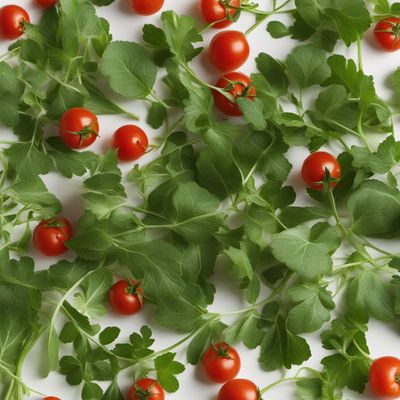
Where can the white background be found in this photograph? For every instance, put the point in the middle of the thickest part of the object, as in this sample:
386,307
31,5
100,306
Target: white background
125,25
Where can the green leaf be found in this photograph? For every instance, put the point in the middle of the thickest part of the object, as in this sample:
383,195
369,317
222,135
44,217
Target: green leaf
157,115
157,41
308,10
219,175
182,313
351,18
253,112
80,320
312,310
281,348
139,346
167,369
26,157
375,208
180,34
113,392
71,367
129,69
10,92
91,391
351,372
367,295
93,297
273,72
240,266
344,72
277,30
307,251
70,162
380,162
293,216
350,366
78,23
109,335
192,213
31,191
246,330
309,389
308,66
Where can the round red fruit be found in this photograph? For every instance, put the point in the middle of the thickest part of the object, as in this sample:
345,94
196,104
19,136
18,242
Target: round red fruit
214,11
147,7
46,3
131,142
229,50
126,297
12,21
146,388
237,85
387,33
239,389
78,128
50,235
221,363
315,167
51,398
384,377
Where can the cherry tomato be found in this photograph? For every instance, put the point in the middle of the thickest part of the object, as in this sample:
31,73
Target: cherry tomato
314,166
215,10
126,297
239,389
131,142
12,21
51,234
147,7
51,398
146,388
384,377
238,85
46,3
78,128
387,33
221,363
229,50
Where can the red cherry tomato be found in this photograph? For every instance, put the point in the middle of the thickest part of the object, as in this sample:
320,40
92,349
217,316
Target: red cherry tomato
239,389
229,50
12,21
46,3
50,235
238,85
147,7
387,33
131,142
384,377
221,363
78,128
214,10
51,398
126,297
314,166
146,388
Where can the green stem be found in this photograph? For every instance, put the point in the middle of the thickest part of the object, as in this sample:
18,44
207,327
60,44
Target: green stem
359,53
19,380
154,95
279,382
372,246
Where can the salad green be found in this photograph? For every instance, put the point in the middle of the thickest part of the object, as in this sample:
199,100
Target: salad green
216,191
